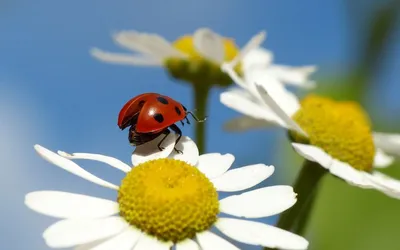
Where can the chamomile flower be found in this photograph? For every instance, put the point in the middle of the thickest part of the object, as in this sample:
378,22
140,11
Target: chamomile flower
165,200
192,58
335,134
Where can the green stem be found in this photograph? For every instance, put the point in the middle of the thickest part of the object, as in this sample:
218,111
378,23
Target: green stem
307,181
302,222
201,92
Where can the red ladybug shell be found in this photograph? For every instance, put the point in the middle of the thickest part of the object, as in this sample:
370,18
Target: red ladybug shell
133,106
157,112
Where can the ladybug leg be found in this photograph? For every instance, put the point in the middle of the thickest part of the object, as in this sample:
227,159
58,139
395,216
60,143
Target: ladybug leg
166,132
187,120
195,117
178,131
183,124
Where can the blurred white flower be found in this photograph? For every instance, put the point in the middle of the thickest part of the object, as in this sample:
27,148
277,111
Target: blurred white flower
191,58
154,50
166,199
337,135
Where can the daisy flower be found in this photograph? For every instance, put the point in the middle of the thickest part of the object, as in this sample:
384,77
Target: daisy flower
166,200
192,58
335,134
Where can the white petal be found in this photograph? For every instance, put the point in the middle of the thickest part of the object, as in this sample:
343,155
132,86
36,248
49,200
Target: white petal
286,100
259,203
162,47
89,246
349,174
314,154
150,44
242,103
215,164
270,102
69,233
150,151
190,152
70,205
257,58
187,245
135,41
385,184
297,76
124,241
71,167
124,58
381,159
256,233
252,44
148,242
210,241
209,44
97,157
389,143
228,69
244,123
242,178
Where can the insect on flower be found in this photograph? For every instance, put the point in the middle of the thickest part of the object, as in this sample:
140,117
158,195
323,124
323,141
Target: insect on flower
150,115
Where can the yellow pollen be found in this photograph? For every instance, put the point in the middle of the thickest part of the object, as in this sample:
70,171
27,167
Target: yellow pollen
342,129
168,199
186,45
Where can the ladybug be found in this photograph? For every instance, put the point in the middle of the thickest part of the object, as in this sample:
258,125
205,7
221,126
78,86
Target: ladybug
150,115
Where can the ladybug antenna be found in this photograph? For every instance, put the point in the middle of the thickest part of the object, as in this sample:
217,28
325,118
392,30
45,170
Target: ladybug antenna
195,117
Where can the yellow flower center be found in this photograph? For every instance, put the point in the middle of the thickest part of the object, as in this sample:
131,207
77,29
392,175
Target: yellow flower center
168,199
342,129
197,69
186,45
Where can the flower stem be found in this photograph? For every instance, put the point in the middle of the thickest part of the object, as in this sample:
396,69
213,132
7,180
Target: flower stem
302,222
305,186
201,92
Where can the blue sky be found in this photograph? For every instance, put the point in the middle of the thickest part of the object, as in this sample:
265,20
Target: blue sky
52,92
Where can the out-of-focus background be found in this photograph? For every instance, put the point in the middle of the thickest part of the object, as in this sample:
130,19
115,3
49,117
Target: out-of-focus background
53,93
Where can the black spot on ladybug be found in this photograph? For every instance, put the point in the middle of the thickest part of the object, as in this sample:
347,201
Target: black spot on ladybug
158,117
177,110
141,103
162,100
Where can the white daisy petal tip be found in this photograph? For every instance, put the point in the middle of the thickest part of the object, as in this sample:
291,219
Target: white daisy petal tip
252,44
259,203
226,67
382,160
69,205
215,164
64,154
40,149
242,178
260,234
74,232
188,151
